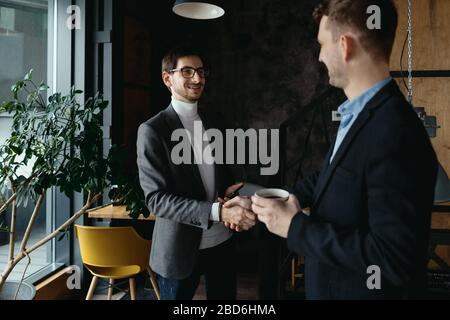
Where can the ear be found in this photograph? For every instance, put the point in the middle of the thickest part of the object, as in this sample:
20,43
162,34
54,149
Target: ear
346,46
167,79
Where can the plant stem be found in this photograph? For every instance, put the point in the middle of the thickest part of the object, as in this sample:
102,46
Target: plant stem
14,195
26,236
7,203
89,202
23,275
99,207
12,232
66,224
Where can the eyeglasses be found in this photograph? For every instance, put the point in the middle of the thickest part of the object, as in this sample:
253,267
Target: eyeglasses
189,72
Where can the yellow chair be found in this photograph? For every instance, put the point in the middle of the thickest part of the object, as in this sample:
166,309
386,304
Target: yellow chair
114,253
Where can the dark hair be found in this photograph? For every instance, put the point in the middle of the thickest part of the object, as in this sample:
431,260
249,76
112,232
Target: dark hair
352,14
170,60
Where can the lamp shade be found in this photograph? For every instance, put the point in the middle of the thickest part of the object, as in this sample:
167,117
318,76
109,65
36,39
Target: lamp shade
197,10
442,190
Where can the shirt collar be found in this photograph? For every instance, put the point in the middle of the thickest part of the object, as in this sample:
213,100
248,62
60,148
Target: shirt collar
184,109
356,105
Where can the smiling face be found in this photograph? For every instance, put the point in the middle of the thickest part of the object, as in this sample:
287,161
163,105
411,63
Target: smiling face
185,89
331,55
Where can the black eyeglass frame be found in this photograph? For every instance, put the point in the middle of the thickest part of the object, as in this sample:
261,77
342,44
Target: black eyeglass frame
202,74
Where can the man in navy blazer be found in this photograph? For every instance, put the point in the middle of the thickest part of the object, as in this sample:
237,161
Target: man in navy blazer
367,232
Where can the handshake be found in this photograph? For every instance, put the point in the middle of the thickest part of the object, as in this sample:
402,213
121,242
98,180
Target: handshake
241,213
237,214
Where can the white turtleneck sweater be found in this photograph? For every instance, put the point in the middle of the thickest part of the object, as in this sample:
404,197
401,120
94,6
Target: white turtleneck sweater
187,112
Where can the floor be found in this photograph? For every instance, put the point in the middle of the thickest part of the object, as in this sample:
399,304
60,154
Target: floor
247,290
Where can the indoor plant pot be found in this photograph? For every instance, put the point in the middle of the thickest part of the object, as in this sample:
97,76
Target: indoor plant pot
9,290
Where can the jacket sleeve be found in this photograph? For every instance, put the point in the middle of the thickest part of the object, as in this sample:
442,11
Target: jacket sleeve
155,181
397,216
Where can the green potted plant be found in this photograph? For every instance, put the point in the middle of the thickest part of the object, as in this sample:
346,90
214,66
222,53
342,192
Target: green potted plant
62,139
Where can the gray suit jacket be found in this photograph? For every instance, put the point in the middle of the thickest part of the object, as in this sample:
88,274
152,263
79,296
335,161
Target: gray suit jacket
175,193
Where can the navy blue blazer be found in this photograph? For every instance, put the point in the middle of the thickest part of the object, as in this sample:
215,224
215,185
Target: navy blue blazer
370,207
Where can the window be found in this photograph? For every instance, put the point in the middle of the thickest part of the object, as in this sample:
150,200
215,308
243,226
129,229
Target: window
23,46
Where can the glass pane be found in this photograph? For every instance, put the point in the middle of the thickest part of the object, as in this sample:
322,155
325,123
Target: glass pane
23,46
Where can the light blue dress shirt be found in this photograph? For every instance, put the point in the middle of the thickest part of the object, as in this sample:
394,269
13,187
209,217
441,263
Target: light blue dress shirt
350,110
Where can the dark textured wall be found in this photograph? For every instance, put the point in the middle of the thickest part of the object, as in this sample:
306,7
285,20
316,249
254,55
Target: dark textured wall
267,54
263,56
265,59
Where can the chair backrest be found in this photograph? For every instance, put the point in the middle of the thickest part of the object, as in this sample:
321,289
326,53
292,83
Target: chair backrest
112,246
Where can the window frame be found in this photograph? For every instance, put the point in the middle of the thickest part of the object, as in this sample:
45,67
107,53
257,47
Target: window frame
80,58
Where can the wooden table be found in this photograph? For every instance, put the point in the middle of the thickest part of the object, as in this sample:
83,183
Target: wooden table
440,218
441,207
115,212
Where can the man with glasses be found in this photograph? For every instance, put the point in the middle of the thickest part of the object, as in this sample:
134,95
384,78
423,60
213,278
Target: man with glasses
189,237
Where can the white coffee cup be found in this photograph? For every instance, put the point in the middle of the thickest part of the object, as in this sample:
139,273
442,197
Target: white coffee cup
273,193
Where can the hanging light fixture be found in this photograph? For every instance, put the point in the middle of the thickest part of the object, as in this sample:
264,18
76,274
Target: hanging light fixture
197,9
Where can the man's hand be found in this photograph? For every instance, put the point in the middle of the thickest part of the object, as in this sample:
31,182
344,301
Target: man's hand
276,214
236,214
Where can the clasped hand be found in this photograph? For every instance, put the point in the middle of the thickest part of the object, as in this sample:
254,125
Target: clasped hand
241,213
237,213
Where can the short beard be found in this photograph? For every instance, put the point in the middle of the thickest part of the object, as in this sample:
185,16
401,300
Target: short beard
339,80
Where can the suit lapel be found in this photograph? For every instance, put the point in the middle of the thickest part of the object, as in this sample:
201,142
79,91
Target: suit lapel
323,171
174,123
359,123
